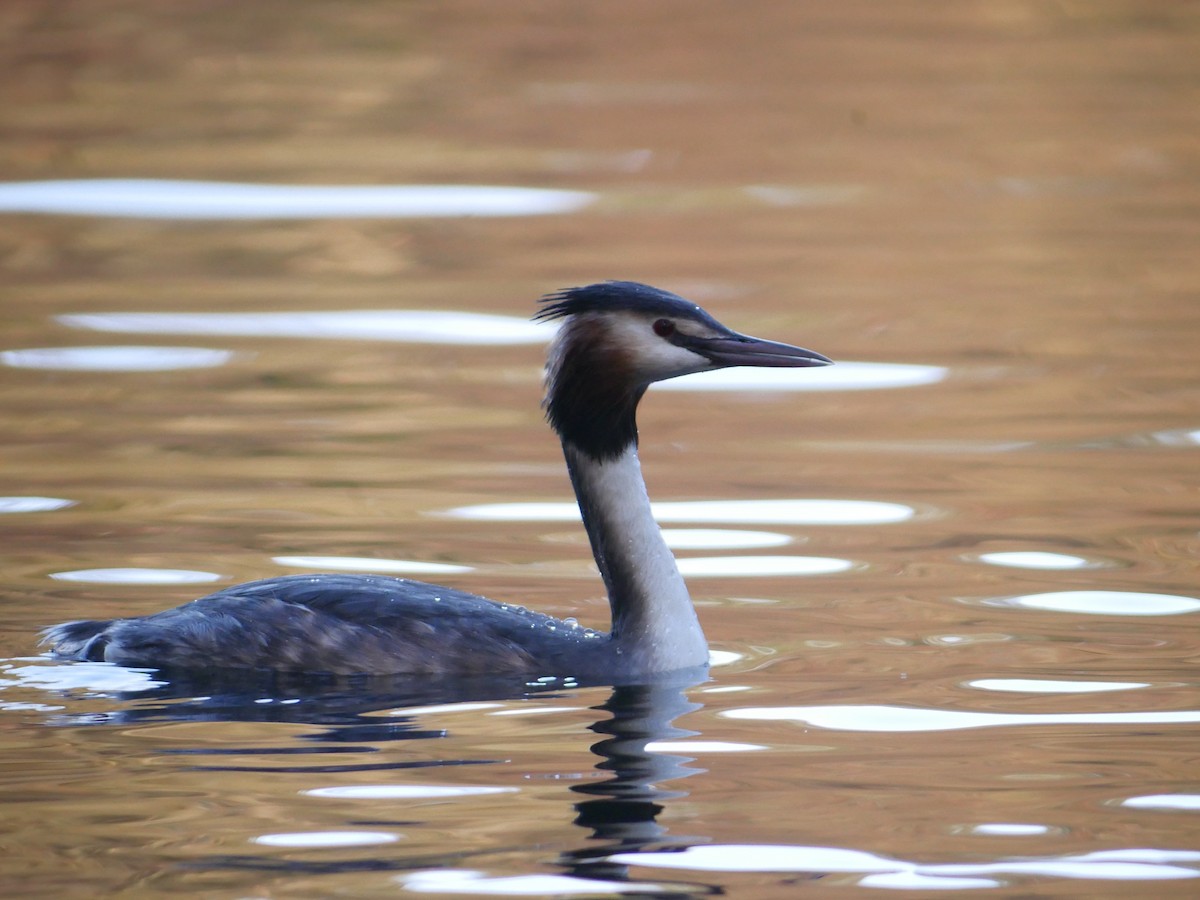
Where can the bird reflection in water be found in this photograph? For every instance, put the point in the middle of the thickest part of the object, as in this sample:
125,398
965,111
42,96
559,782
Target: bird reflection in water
619,813
623,811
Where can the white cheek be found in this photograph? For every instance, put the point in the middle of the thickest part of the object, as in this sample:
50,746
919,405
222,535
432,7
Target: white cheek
655,358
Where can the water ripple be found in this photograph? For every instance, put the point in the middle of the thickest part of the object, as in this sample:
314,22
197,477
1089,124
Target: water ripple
1103,603
721,539
137,576
405,791
470,883
312,839
701,747
729,512
415,326
33,504
1053,686
91,676
1189,802
1036,559
844,376
1134,864
148,198
761,566
1009,829
903,719
116,359
370,564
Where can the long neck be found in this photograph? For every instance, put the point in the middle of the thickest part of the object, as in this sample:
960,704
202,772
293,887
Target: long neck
654,626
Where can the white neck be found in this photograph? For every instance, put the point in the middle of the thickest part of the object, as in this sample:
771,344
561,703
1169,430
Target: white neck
654,626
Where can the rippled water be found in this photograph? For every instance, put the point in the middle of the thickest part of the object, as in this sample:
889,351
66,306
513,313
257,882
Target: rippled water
164,199
268,275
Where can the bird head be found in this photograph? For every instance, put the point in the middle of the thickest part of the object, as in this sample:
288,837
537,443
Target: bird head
617,338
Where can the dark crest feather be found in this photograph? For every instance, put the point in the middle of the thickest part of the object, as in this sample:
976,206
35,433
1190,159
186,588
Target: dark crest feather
609,296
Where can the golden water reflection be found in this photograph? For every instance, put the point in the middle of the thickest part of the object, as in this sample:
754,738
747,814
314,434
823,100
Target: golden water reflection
996,199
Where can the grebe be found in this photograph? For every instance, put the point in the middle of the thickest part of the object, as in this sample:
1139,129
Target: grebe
616,338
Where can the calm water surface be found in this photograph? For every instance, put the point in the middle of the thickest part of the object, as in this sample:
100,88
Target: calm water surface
951,585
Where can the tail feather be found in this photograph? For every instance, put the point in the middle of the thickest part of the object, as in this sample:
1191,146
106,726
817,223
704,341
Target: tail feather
82,640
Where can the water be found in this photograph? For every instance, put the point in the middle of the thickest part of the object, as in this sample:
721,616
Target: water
951,591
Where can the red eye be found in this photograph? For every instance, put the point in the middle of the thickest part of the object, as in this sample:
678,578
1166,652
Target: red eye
664,328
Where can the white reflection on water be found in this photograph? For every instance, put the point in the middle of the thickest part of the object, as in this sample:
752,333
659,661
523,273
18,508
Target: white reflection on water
843,376
415,326
26,706
1190,802
1104,603
723,657
116,359
370,564
728,512
470,883
1009,829
721,539
900,719
762,858
310,839
1035,559
701,747
540,710
165,199
444,708
912,880
1179,438
881,871
33,504
1047,686
137,576
761,566
406,791
1134,864
92,676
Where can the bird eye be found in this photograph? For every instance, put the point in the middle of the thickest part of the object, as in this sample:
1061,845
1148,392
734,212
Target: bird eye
664,328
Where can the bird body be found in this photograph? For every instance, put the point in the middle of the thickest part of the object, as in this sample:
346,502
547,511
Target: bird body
616,338
339,624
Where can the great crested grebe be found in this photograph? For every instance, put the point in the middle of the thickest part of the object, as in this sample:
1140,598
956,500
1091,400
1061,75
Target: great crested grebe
616,338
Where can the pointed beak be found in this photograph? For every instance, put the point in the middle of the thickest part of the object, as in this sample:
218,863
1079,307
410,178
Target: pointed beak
743,350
